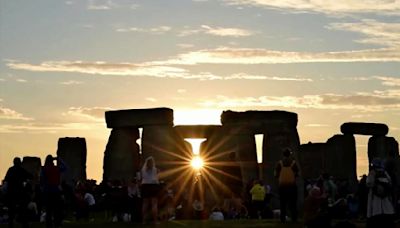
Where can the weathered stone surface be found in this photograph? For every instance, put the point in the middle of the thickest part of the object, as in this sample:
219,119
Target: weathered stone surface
341,152
273,146
312,159
196,131
382,147
259,120
355,128
139,117
121,157
33,166
73,152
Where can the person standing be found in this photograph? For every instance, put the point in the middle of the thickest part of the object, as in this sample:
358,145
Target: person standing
50,181
380,210
286,171
16,194
150,189
257,199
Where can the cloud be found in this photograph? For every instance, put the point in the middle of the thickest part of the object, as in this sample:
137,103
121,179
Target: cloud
234,32
9,114
156,30
332,7
377,33
131,69
71,82
92,113
372,102
151,99
226,55
110,4
217,31
102,68
263,77
20,80
48,127
389,81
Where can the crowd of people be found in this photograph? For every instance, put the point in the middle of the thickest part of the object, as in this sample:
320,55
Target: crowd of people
147,199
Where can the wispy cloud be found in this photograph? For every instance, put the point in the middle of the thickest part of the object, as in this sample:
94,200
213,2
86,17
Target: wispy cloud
156,30
34,128
326,7
9,114
227,55
92,113
377,33
373,102
20,80
151,99
131,69
101,68
218,31
389,81
109,4
71,82
263,77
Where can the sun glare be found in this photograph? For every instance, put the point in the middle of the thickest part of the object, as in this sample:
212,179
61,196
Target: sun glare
197,163
195,144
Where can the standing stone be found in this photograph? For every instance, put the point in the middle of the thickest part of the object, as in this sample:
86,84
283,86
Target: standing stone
382,147
121,157
159,142
139,117
73,152
312,160
279,130
33,166
341,159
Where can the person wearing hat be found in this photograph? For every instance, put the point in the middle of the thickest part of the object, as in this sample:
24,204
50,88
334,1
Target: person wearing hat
380,211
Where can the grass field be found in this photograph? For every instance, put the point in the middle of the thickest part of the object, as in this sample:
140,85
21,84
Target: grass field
187,223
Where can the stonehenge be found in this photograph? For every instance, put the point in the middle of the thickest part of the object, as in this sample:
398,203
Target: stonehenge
73,152
316,158
236,134
127,148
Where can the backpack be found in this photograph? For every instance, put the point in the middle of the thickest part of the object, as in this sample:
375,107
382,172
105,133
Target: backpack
382,186
286,175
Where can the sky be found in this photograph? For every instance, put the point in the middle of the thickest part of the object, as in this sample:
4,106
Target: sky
64,63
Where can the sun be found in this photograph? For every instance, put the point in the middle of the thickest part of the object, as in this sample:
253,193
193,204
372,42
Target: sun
197,162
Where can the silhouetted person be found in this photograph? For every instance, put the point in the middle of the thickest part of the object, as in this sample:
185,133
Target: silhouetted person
50,180
17,196
315,209
286,172
150,188
380,210
257,199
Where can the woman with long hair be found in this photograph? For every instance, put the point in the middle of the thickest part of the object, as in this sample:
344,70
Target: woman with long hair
150,188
